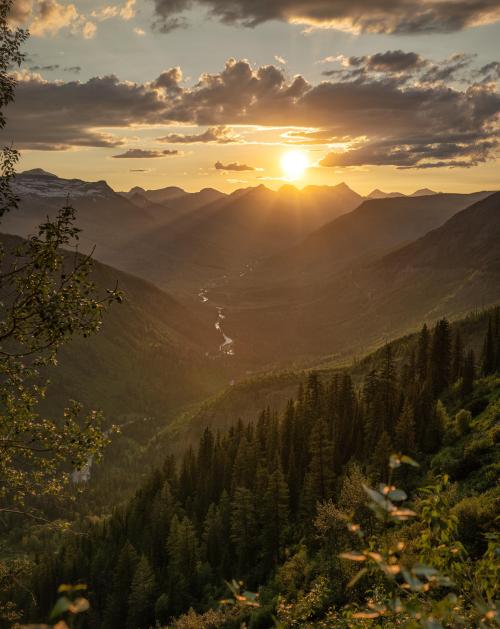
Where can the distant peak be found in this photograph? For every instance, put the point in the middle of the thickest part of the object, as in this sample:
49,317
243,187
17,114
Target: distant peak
380,194
423,192
343,186
37,172
288,188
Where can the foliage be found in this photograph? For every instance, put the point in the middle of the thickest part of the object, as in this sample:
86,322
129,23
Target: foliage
47,297
266,503
67,608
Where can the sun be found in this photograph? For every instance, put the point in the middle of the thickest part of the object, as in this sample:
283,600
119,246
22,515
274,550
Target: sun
294,164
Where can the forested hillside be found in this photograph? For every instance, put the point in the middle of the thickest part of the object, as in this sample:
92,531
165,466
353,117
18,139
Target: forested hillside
265,501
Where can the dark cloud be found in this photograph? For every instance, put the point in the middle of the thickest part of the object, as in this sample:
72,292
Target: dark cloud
54,67
145,153
54,115
419,153
233,166
220,135
448,69
50,68
372,16
382,118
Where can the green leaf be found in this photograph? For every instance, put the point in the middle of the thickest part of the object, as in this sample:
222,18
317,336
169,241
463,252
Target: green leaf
61,607
409,461
357,577
397,494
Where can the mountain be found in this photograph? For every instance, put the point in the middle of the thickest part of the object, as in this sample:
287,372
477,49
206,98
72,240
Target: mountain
180,245
155,196
423,192
379,194
151,357
450,270
373,228
173,197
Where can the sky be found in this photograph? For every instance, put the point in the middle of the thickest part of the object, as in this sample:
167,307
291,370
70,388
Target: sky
396,95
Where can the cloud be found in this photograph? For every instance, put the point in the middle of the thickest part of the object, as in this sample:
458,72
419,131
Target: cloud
358,16
55,115
219,135
376,118
392,61
233,166
52,16
125,11
145,153
48,17
49,68
139,31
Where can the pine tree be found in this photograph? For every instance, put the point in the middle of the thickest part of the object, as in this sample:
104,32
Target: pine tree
488,359
243,528
380,457
274,512
183,555
142,597
435,427
320,476
115,613
388,390
457,363
423,353
440,358
469,374
404,434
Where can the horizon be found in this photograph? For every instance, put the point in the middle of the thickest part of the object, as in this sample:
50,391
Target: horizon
276,187
397,100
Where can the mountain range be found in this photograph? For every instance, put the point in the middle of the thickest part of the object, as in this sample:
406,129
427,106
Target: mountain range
300,273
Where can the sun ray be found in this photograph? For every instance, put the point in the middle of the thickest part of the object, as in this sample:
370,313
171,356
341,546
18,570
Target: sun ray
294,164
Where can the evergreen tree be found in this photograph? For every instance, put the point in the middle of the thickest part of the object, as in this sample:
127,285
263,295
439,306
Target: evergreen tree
404,434
183,564
488,359
423,353
274,512
115,614
440,358
243,528
380,457
320,477
469,374
458,359
141,600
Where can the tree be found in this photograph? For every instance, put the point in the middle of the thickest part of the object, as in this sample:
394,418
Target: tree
183,554
404,434
319,481
488,358
423,353
47,298
142,597
440,358
274,515
457,363
243,527
469,374
115,614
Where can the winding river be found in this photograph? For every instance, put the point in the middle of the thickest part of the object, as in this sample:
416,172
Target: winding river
227,345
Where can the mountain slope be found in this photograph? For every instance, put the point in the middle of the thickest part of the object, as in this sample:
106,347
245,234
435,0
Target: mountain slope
373,228
172,240
225,236
451,270
148,359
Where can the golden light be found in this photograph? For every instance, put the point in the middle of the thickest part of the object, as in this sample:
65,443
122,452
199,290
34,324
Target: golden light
294,164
